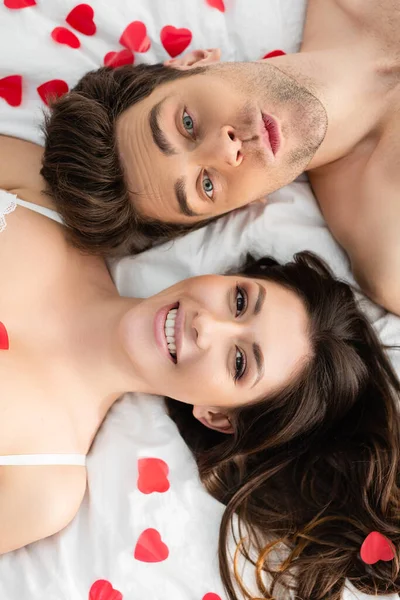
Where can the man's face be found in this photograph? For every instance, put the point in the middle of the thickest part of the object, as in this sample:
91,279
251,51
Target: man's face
206,144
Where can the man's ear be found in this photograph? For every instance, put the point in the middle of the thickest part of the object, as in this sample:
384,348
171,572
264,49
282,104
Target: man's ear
195,58
213,418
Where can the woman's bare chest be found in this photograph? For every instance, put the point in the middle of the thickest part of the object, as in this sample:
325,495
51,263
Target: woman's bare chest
42,289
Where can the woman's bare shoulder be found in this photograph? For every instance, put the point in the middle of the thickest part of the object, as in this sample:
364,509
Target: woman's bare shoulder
20,164
31,235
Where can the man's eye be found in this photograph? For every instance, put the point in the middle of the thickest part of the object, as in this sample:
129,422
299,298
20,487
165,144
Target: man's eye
208,186
241,301
240,364
188,123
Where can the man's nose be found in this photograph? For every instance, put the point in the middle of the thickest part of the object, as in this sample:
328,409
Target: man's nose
209,329
224,149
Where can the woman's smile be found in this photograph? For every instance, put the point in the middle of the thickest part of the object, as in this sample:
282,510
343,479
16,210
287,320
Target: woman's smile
227,335
161,329
168,330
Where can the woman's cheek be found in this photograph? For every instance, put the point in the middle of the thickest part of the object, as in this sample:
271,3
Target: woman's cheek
193,385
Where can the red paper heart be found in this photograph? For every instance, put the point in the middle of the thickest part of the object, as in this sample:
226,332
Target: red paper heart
61,35
174,40
118,59
150,548
211,596
81,19
135,37
11,89
16,4
274,53
376,547
4,343
218,4
153,475
103,590
50,90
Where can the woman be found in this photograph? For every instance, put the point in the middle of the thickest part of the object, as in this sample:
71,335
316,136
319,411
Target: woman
298,396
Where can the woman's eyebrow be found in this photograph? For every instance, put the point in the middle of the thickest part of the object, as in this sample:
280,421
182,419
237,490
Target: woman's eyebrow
258,355
259,358
260,299
157,133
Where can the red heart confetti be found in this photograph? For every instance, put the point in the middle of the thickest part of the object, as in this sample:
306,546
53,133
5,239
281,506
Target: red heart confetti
81,19
376,547
11,89
61,35
118,59
135,37
218,4
274,53
150,548
50,90
153,475
16,4
4,343
211,596
174,40
103,590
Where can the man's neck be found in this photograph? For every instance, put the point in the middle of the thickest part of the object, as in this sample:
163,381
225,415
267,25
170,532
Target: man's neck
352,89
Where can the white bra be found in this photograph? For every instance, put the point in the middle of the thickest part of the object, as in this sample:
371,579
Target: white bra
8,203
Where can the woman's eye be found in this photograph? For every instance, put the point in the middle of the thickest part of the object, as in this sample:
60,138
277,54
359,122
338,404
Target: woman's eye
188,123
240,364
241,301
208,186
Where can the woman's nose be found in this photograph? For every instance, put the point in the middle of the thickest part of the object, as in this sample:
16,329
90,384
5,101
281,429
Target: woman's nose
208,329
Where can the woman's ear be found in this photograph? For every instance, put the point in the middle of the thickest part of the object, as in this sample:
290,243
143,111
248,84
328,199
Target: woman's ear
195,58
213,418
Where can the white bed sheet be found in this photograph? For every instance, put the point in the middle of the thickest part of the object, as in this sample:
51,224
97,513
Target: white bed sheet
94,558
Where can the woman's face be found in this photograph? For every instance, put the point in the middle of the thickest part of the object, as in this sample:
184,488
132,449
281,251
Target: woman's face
214,340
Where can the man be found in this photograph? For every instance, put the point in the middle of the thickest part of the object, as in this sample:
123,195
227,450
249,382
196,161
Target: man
151,151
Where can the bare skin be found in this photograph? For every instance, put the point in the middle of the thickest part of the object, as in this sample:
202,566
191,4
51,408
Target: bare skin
336,103
357,183
76,347
354,163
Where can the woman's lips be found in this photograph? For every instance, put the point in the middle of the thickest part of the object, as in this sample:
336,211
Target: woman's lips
271,133
179,325
159,329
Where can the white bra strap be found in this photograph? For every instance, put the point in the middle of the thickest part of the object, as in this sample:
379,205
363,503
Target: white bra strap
43,459
43,210
7,205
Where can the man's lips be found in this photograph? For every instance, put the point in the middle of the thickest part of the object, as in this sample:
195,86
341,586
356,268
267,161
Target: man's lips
271,133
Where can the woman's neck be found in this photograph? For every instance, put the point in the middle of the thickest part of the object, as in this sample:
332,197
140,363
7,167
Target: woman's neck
97,355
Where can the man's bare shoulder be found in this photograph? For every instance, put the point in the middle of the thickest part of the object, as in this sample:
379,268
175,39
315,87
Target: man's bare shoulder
360,200
332,22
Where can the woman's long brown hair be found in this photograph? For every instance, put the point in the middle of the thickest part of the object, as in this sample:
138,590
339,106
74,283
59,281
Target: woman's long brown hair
312,470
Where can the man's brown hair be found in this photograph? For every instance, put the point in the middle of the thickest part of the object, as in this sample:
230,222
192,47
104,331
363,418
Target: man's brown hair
82,166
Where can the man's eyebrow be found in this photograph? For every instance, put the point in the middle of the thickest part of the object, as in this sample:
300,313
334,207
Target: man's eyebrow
181,196
258,355
158,135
